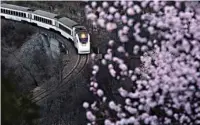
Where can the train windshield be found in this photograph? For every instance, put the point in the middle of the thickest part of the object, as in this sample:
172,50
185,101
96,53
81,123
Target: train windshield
83,37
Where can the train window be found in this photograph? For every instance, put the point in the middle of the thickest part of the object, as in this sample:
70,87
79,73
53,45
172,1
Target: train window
65,29
24,15
36,18
50,22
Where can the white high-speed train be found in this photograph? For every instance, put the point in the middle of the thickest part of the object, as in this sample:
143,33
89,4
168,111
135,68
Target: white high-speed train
67,27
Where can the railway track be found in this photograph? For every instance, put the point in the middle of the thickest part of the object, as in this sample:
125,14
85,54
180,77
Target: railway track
76,70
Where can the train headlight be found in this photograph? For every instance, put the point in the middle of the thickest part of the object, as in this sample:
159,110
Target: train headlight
83,35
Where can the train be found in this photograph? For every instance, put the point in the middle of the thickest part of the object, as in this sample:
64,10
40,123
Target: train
65,26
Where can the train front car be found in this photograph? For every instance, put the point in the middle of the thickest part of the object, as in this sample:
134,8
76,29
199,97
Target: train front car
83,40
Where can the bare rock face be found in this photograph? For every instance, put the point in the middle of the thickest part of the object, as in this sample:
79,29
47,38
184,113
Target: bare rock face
33,63
52,46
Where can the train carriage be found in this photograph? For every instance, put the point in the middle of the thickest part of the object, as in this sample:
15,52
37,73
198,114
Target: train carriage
67,27
43,19
14,12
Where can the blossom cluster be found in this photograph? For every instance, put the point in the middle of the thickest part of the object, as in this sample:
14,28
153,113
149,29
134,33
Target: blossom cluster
165,89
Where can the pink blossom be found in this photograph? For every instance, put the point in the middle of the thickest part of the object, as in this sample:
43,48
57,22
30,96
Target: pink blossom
168,67
130,11
105,4
120,49
130,22
94,4
111,42
123,67
108,122
112,9
122,92
124,19
100,92
91,16
85,104
137,8
90,116
111,26
101,22
96,68
112,72
117,15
